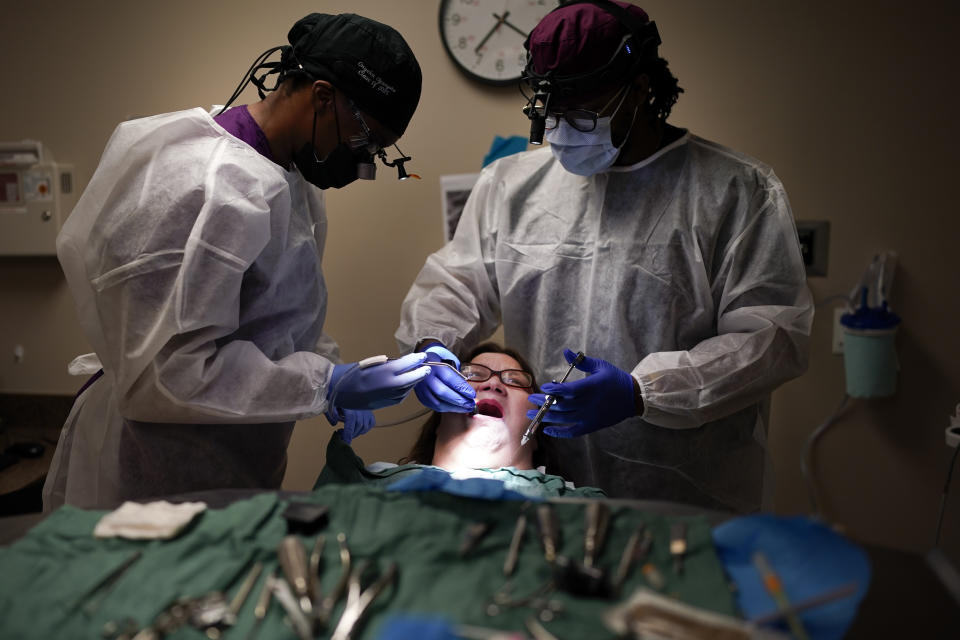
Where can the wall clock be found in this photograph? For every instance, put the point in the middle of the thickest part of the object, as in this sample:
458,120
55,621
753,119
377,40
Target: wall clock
484,38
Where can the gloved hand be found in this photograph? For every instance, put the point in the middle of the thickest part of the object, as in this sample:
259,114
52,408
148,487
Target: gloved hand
356,422
375,386
602,399
443,390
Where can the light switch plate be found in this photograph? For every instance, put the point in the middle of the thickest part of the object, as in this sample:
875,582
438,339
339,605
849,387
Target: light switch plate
814,237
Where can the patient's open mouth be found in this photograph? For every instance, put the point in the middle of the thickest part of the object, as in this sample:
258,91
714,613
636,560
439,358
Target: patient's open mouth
488,407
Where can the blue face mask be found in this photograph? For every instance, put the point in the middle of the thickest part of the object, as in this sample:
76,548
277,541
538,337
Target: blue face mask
586,153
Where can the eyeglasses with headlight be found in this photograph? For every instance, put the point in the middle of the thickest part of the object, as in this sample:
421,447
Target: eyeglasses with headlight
365,144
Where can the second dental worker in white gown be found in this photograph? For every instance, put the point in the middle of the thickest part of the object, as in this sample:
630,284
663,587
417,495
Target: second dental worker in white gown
683,269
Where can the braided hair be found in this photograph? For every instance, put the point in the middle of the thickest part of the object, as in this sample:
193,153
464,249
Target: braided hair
664,89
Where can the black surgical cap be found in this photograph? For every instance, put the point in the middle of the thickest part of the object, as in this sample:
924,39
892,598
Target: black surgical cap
369,61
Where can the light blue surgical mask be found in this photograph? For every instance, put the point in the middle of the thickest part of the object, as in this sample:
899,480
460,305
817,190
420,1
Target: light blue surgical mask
586,153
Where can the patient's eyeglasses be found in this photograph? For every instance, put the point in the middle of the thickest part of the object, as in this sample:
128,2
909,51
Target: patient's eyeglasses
511,377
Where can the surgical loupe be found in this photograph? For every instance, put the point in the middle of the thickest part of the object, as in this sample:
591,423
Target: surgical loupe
398,163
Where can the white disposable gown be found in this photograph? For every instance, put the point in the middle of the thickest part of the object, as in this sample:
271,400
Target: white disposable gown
195,265
684,269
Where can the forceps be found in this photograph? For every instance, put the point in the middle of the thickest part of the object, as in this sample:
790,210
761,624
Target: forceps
358,601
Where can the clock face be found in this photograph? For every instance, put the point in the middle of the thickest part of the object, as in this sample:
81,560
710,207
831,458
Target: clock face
484,38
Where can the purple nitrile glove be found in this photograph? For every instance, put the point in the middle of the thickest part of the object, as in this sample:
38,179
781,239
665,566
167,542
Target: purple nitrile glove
602,399
374,386
443,390
356,422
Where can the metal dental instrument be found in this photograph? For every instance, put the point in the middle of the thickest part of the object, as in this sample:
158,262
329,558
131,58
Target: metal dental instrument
95,596
637,550
331,599
538,600
472,536
212,613
548,402
518,532
549,532
244,591
316,556
598,520
293,561
209,613
678,545
570,575
263,604
586,579
358,600
839,593
448,365
458,372
424,412
653,576
284,595
168,621
773,585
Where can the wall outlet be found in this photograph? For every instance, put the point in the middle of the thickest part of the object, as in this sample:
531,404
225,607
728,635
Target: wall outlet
837,347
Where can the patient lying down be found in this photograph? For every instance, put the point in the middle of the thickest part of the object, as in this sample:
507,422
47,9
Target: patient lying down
485,445
491,438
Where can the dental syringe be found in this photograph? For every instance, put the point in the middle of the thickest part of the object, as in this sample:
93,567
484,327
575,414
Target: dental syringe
548,402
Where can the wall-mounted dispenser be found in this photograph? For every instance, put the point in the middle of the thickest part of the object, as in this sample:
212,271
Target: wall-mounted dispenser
36,194
870,327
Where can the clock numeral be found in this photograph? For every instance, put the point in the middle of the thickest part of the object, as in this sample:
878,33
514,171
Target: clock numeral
499,64
462,43
455,19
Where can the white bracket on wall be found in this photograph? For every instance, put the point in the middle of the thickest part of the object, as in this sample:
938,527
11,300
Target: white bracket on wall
952,432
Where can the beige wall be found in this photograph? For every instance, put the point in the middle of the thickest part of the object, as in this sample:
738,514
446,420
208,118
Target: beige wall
854,104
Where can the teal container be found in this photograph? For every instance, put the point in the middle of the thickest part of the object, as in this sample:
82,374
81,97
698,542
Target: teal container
869,351
870,362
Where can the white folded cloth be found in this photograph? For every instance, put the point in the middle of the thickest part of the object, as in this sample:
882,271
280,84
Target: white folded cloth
153,520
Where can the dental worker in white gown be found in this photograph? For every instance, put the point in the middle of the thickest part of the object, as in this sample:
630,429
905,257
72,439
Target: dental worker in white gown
194,256
671,261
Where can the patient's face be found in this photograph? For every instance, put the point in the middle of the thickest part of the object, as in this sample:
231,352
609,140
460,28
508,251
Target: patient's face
491,438
499,401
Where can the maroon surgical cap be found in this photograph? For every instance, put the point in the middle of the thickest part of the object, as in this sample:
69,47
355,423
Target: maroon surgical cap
578,38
